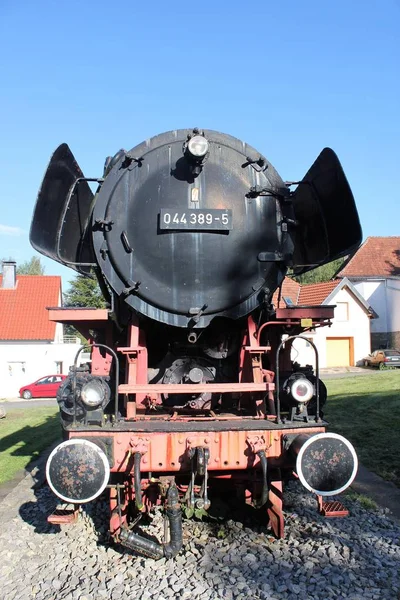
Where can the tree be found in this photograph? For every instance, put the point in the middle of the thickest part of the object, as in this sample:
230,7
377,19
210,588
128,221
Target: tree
322,273
84,292
31,267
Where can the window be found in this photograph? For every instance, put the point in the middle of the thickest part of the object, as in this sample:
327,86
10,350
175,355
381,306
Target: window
342,311
16,368
59,366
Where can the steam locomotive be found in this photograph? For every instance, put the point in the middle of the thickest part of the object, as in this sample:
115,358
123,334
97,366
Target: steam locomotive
191,389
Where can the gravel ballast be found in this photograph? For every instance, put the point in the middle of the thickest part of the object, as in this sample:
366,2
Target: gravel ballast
356,557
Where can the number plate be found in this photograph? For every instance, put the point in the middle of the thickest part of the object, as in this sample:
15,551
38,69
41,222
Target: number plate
213,218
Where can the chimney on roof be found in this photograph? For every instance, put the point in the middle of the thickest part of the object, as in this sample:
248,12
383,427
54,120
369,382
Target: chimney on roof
9,274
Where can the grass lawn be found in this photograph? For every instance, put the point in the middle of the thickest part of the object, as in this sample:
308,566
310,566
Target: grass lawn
24,433
366,410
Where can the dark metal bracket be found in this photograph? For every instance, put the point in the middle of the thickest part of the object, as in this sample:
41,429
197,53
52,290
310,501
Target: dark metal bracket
129,159
103,225
199,457
259,164
195,313
71,192
278,400
132,289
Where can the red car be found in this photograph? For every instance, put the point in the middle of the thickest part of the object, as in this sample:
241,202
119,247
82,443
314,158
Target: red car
45,387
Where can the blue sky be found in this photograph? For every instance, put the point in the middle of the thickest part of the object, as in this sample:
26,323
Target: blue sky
288,77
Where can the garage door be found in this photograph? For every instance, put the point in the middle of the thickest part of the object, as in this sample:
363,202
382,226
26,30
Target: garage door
339,352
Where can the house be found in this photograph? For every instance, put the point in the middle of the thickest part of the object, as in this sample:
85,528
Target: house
347,340
374,270
31,346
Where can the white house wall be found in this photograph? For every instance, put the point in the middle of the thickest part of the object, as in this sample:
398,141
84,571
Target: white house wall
59,335
374,293
393,304
357,327
22,363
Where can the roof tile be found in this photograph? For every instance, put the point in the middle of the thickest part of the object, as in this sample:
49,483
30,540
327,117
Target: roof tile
312,294
315,293
377,257
23,314
290,289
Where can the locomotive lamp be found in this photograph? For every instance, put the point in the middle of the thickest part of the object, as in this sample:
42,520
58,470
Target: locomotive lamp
198,146
299,388
94,393
302,390
196,150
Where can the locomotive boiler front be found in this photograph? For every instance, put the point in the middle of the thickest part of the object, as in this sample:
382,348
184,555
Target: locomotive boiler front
192,225
179,234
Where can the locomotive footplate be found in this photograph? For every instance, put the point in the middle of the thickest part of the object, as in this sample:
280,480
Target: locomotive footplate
227,423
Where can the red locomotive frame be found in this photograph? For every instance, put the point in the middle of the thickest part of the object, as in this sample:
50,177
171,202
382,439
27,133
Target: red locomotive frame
229,447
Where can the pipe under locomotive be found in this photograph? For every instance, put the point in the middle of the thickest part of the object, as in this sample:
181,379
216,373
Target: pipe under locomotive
191,389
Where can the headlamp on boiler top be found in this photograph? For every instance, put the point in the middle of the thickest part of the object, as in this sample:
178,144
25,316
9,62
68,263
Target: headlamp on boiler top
198,146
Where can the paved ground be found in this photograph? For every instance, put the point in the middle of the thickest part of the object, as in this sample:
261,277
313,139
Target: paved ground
33,403
343,372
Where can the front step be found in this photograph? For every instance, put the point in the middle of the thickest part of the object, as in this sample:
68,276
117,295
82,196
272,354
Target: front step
64,514
331,509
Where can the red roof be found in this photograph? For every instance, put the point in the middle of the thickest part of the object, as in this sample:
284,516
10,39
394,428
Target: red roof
290,289
23,309
377,257
316,293
311,294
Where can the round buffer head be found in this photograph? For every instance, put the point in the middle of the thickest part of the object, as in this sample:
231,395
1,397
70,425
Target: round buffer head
326,464
77,471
